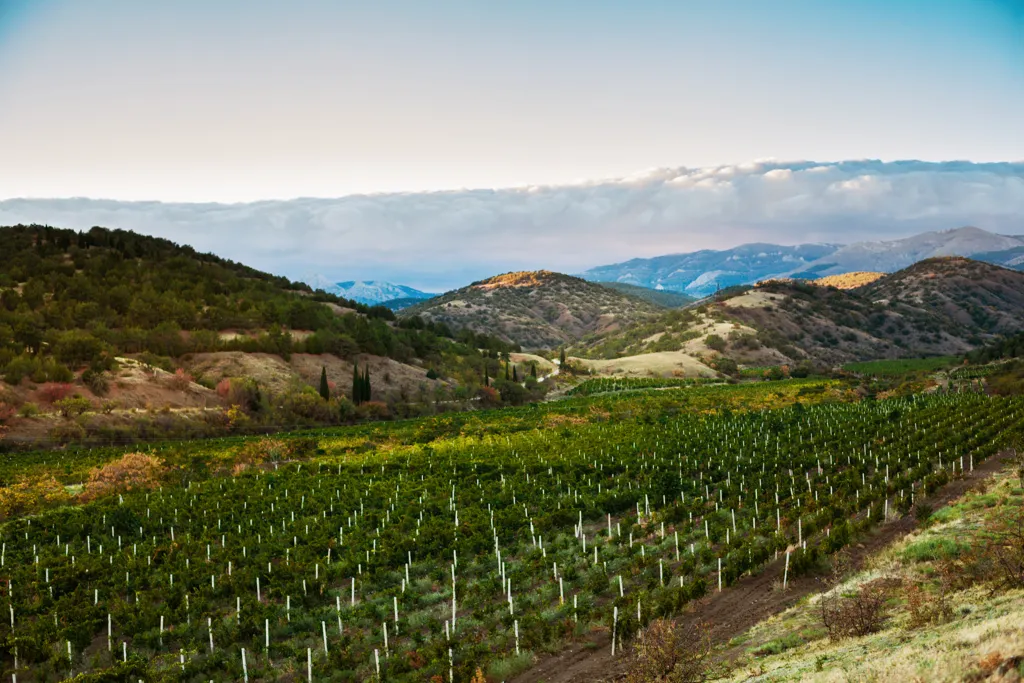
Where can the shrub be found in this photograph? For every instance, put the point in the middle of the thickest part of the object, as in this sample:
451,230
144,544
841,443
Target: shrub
373,410
31,495
67,432
55,391
96,382
858,612
28,409
132,471
715,343
71,406
180,380
666,652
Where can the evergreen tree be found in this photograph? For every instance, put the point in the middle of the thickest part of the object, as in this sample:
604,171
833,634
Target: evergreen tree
366,385
515,374
325,388
561,356
506,371
533,370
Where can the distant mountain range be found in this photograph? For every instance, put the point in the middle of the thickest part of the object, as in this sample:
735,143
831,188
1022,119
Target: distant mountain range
703,272
371,292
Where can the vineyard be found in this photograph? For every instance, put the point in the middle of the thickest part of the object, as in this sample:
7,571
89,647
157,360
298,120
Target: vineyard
427,549
603,385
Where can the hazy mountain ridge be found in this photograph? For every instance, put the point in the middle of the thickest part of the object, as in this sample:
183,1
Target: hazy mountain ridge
369,292
703,272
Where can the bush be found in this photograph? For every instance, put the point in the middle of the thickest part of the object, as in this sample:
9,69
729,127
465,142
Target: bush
858,612
31,495
96,382
28,409
715,343
71,406
132,471
180,380
55,391
666,652
67,432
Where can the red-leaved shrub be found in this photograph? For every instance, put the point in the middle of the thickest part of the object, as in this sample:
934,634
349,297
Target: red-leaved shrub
51,392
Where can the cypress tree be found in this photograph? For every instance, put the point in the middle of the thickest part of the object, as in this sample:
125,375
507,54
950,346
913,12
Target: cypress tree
515,374
366,384
325,388
533,370
506,371
561,357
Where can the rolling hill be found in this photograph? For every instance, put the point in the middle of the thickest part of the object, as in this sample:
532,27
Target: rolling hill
935,307
128,322
537,309
658,297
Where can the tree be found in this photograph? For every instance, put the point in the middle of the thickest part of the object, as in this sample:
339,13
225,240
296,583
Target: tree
533,370
325,389
515,374
561,356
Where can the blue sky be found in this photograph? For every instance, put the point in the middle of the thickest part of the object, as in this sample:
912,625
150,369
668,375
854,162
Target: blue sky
454,139
239,101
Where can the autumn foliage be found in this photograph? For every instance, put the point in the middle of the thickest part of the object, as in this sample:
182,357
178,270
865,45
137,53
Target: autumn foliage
31,495
132,471
51,392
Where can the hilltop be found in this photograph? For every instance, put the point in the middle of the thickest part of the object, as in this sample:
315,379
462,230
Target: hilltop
536,309
127,322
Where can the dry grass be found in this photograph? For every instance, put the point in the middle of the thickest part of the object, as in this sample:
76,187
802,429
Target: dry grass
934,633
663,364
849,280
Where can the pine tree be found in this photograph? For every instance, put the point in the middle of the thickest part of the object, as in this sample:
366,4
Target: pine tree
325,388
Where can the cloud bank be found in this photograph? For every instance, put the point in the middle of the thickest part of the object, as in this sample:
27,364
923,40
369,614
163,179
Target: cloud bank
439,240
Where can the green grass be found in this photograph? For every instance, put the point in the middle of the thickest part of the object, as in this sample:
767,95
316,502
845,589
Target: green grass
905,366
932,549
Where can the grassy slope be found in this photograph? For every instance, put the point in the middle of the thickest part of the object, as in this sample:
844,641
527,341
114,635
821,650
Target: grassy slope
985,628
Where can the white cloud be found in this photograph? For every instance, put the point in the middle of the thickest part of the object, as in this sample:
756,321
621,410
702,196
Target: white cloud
439,239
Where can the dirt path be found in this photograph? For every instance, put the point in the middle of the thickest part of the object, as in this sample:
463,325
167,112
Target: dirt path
736,609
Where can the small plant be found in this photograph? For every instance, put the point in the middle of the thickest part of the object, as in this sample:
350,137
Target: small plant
180,380
52,392
71,406
859,612
670,653
28,409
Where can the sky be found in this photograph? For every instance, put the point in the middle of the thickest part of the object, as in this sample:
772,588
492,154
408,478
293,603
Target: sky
230,102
